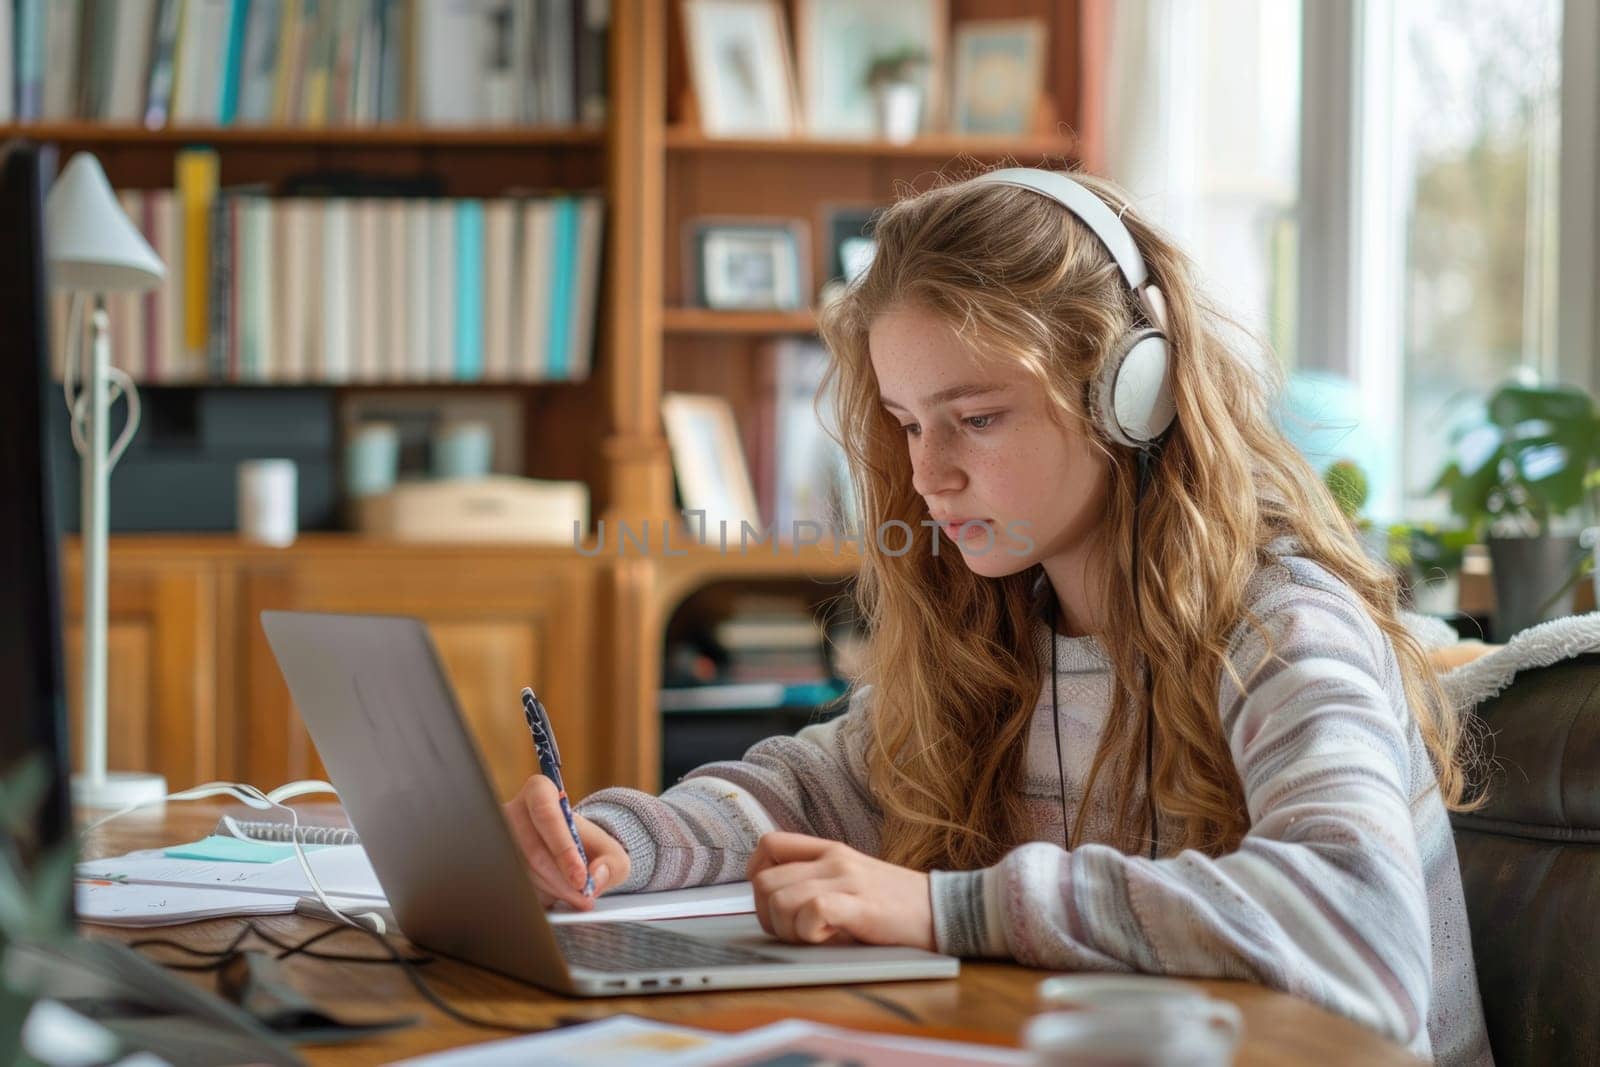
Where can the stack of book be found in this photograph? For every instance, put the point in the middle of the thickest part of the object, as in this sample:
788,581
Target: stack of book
337,290
306,63
769,653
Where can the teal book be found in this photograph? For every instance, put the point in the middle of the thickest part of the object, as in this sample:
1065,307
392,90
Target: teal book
469,290
563,266
28,49
228,107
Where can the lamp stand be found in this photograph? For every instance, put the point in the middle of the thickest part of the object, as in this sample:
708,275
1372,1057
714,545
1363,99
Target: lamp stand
94,786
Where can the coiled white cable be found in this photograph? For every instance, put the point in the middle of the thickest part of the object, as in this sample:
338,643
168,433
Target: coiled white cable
255,798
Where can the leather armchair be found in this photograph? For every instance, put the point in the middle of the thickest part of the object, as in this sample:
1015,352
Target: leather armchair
1530,866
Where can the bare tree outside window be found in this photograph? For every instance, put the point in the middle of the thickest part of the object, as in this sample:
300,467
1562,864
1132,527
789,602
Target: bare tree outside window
1480,284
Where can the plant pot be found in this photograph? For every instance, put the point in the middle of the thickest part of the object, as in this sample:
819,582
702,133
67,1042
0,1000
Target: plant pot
1435,592
899,107
1529,575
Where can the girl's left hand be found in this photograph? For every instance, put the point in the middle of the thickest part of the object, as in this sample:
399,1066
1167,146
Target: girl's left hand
811,890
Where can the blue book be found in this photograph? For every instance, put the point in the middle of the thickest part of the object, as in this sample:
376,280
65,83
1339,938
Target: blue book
469,290
28,44
228,107
563,265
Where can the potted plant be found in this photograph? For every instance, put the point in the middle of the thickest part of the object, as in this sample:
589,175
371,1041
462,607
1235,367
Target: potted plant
894,79
1431,557
32,895
1525,478
1347,483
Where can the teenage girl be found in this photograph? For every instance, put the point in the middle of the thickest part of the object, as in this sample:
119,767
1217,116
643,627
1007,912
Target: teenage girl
1135,699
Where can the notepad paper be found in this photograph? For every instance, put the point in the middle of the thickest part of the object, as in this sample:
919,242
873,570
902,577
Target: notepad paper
133,904
343,872
733,898
235,850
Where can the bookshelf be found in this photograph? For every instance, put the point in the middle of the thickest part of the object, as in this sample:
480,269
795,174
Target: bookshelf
596,622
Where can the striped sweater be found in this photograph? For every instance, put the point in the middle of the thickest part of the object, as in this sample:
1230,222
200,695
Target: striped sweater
1345,890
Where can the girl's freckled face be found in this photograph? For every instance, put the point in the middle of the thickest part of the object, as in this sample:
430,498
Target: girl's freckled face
985,444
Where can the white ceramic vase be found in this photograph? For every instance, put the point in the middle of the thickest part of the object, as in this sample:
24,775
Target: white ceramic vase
899,106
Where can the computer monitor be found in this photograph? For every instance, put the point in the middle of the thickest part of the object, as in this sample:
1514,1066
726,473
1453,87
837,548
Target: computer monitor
30,615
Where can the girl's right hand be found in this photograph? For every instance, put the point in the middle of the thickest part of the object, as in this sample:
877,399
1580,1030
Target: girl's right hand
534,815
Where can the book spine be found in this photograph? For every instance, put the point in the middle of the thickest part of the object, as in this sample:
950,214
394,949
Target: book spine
561,285
163,49
594,29
233,64
151,341
469,290
586,295
197,191
442,322
61,73
30,45
7,61
420,304
218,303
337,357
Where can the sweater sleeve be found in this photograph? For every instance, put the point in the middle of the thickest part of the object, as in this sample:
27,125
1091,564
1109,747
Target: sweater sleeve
1325,896
703,830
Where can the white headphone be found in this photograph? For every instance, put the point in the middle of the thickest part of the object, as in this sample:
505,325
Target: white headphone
1134,404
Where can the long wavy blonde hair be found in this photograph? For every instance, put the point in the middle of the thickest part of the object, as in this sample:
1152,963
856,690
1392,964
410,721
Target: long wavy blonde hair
952,655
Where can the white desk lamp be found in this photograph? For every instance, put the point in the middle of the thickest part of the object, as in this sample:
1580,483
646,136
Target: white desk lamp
93,249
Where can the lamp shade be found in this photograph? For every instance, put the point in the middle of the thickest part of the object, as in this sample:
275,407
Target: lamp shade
91,243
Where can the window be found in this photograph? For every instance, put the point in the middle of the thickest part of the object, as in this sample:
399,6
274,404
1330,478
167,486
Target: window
1435,229
1203,128
1480,161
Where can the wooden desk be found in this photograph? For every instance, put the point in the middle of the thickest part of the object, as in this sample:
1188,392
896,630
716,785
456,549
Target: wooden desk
988,1002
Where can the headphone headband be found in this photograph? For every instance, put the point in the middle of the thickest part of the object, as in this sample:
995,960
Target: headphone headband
1133,397
1090,210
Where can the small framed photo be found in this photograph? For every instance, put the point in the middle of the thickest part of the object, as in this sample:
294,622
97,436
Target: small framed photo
850,244
739,64
840,42
709,461
749,265
999,74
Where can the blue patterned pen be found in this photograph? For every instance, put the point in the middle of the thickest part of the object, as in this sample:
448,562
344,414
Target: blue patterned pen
544,742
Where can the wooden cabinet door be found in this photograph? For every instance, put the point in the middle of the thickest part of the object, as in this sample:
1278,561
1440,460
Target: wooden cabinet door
161,665
500,621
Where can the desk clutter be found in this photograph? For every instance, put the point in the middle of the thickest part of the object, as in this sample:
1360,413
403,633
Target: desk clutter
221,875
743,664
646,1043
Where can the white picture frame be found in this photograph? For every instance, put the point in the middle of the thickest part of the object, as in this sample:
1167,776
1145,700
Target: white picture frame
738,52
999,76
749,264
836,41
709,462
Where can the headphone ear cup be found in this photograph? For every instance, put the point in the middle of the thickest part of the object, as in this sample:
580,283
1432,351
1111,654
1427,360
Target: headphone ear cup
1134,404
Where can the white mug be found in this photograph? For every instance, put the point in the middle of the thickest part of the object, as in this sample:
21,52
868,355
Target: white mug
268,501
1131,1021
1197,1034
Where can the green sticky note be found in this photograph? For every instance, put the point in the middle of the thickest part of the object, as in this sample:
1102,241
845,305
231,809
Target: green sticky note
235,850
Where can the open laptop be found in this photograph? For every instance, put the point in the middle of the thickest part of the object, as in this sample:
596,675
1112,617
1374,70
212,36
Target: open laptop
386,723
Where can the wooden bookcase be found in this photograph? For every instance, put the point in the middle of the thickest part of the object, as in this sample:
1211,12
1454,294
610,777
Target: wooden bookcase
657,172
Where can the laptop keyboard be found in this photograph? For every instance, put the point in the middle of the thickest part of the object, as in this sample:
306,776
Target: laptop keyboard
625,946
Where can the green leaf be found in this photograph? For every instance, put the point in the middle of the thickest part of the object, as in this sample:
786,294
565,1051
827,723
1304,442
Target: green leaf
21,793
14,903
1512,405
52,885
